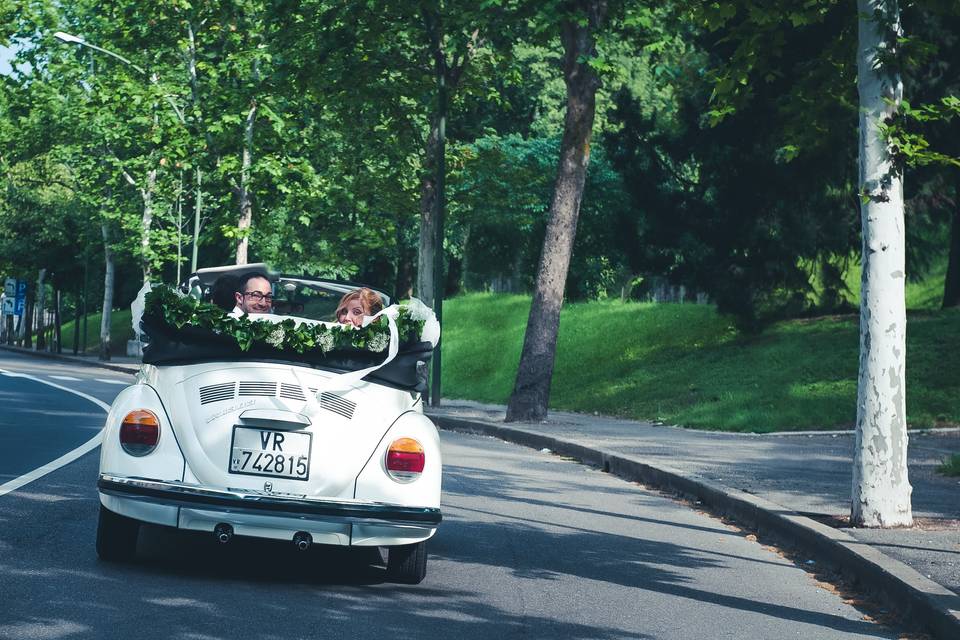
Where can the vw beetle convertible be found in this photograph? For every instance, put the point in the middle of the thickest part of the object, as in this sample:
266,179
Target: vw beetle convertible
287,427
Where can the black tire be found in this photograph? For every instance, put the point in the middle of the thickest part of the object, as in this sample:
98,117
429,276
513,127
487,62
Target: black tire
407,564
116,536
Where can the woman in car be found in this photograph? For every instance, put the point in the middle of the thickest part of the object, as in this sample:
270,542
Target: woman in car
356,304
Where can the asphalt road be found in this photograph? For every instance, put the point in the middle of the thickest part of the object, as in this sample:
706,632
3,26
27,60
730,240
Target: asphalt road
532,546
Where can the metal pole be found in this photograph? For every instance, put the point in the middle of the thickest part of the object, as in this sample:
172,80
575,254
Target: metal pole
438,279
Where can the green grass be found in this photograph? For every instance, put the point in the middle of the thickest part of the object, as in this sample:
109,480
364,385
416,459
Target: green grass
120,331
950,466
926,293
685,364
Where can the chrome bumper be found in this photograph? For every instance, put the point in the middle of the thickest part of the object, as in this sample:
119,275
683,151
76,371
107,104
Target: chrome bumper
181,494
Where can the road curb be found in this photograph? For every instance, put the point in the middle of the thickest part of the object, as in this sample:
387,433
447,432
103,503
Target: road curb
68,358
921,601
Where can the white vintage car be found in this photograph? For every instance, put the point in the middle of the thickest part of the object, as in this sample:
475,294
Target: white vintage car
311,445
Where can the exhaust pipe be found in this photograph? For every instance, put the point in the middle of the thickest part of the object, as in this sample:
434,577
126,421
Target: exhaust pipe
223,532
303,540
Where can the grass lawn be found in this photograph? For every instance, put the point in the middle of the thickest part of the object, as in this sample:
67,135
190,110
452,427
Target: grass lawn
685,364
120,331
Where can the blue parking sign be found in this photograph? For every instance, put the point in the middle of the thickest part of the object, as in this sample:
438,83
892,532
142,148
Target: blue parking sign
20,301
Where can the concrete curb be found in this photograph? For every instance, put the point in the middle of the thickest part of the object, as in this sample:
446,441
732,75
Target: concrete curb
921,601
129,368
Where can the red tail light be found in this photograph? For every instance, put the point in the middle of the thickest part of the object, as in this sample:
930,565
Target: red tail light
405,460
139,432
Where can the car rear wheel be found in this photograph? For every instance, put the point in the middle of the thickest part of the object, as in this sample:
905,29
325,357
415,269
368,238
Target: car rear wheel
116,536
407,564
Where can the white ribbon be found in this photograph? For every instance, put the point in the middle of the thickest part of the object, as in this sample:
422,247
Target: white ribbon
136,309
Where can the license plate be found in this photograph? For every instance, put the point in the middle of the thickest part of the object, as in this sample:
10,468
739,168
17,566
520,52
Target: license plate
265,452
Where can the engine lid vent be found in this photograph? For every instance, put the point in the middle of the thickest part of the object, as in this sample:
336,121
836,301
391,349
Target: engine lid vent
251,388
291,391
337,404
217,392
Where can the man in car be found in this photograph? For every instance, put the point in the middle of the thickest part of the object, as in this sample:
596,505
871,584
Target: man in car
254,294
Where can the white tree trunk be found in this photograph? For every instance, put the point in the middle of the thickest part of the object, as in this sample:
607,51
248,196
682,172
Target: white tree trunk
246,198
881,490
146,195
108,274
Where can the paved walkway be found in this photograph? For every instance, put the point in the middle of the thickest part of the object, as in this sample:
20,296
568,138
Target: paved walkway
809,473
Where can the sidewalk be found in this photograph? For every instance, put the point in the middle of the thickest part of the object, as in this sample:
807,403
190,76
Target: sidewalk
791,483
122,364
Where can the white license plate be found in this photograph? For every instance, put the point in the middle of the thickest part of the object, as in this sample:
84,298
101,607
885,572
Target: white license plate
265,452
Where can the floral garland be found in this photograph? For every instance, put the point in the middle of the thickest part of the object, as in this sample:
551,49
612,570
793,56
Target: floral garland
176,310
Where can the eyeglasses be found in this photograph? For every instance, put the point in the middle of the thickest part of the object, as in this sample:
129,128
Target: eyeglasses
256,296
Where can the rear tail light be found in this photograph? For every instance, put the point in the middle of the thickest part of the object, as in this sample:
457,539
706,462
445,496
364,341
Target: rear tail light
405,460
139,432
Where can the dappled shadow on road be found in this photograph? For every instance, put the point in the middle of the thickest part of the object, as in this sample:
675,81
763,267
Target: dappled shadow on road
185,585
555,541
513,558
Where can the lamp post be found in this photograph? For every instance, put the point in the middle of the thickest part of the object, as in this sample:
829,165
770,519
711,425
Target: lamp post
68,38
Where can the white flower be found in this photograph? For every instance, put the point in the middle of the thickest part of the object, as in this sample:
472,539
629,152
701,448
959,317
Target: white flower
418,311
379,342
276,337
325,341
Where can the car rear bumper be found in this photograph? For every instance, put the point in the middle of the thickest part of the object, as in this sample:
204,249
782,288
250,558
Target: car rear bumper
180,494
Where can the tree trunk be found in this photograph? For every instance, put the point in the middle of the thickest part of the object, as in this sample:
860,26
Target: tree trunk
147,222
531,392
881,491
108,273
426,257
41,303
246,199
76,323
951,284
146,194
57,329
403,286
27,316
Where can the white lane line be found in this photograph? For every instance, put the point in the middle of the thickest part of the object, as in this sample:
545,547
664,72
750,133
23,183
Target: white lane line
112,381
66,458
68,378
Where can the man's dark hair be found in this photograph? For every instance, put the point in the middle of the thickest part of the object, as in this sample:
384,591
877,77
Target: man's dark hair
221,294
247,277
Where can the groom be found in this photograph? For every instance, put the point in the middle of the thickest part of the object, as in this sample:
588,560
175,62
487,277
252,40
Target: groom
254,294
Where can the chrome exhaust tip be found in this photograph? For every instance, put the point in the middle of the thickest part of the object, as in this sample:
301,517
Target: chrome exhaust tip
223,532
303,540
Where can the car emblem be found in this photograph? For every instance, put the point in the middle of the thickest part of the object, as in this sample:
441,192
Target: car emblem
268,486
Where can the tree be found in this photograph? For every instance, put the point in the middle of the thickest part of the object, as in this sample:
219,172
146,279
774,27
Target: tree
881,490
578,32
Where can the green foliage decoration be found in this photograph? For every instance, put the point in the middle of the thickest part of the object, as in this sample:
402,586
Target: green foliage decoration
178,311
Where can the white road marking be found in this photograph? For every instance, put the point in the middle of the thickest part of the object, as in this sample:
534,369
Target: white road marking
68,378
66,458
112,381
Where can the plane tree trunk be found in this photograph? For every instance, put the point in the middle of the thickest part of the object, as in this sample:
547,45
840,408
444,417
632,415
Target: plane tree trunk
881,490
531,392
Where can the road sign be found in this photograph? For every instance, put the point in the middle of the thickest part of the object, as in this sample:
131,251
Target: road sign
10,287
21,300
7,306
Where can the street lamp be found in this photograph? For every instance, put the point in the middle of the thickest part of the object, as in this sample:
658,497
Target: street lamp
72,39
69,38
